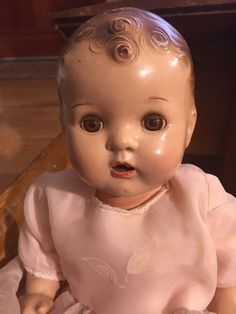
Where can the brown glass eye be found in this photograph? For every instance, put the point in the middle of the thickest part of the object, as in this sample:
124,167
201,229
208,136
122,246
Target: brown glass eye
153,122
91,124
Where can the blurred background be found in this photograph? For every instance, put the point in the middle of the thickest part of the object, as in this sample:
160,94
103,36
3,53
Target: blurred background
29,49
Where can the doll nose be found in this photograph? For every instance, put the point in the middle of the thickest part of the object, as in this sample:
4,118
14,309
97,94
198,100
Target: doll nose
122,139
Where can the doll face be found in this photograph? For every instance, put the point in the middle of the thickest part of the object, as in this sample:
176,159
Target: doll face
126,126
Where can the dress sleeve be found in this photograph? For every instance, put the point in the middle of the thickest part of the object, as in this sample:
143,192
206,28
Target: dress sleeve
221,220
36,249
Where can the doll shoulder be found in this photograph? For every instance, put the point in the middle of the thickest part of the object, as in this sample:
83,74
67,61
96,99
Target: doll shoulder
204,186
53,190
61,182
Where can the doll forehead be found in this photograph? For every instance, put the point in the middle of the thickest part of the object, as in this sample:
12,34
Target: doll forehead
95,78
83,68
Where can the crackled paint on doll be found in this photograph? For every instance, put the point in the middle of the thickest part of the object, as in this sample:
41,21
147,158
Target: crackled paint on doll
127,105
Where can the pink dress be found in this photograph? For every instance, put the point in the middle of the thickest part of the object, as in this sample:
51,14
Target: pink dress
168,254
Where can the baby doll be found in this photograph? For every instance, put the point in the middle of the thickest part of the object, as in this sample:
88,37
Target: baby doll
129,228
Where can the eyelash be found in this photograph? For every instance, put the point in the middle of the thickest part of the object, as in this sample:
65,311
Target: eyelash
151,122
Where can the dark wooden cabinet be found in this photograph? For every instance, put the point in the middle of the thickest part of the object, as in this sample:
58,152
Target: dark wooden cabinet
26,29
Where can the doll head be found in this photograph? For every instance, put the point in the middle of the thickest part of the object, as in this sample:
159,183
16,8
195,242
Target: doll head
127,102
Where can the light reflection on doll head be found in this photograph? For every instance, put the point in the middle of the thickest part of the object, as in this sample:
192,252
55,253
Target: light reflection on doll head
127,123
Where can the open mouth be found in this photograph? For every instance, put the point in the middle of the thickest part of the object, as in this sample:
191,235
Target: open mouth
122,170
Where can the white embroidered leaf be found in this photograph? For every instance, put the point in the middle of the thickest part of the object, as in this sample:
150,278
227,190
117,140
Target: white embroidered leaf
102,268
139,261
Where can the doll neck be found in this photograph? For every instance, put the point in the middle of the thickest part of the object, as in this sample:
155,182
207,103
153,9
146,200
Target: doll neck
126,202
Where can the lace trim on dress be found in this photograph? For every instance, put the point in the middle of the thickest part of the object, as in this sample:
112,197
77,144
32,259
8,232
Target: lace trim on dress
142,208
49,276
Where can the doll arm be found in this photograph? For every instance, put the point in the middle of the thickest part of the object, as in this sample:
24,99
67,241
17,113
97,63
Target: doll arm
39,295
224,301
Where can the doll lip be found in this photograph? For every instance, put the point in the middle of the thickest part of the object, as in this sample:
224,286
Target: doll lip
122,169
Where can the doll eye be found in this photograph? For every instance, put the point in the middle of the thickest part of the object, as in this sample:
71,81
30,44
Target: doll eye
153,122
91,124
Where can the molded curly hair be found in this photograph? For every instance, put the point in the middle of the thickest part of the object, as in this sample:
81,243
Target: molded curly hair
122,33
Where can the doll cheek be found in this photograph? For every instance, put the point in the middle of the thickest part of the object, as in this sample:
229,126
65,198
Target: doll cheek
158,148
164,157
161,163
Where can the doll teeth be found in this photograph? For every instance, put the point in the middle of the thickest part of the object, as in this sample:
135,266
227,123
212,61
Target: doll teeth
122,167
122,170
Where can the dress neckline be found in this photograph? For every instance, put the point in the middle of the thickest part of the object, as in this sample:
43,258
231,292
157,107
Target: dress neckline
136,210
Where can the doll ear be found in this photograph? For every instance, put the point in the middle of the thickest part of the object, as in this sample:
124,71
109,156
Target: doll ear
191,125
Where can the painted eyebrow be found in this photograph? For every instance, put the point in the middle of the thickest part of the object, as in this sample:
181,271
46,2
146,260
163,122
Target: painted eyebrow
157,98
89,104
81,104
